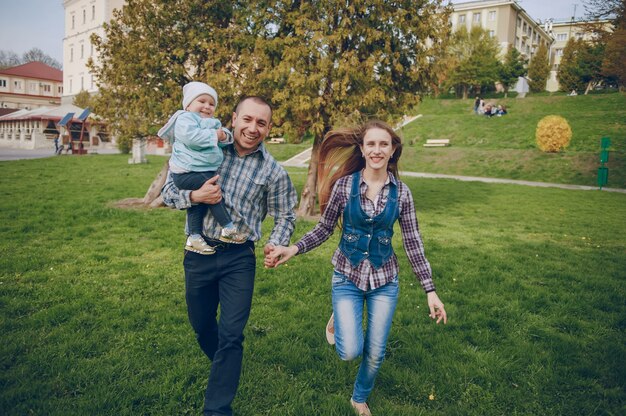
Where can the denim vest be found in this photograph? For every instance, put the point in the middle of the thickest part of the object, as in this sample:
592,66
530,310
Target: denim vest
365,237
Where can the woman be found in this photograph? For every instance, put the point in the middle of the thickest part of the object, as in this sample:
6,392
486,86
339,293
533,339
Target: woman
360,166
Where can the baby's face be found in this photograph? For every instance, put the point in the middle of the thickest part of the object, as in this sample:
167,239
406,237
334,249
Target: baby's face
204,105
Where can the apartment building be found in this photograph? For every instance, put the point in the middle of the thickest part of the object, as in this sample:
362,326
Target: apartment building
562,30
82,19
29,86
505,20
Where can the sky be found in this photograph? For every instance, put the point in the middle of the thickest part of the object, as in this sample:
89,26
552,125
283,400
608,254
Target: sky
27,24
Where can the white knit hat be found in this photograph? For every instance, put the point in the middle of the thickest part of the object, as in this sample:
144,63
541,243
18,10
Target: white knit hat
194,89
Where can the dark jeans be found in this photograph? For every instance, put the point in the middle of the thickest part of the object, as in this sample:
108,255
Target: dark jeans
196,213
225,279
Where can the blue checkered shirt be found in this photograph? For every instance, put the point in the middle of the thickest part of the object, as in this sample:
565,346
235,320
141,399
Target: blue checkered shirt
253,186
365,276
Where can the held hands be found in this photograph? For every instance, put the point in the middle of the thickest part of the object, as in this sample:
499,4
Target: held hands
208,193
277,255
437,311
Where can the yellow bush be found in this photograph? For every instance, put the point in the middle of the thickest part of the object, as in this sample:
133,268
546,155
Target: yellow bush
553,133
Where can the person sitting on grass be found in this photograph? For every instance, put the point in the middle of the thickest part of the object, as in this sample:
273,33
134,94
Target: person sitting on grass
196,155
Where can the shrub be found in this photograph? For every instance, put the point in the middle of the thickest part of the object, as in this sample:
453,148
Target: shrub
553,133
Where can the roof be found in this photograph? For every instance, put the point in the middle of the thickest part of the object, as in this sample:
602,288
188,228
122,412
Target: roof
35,69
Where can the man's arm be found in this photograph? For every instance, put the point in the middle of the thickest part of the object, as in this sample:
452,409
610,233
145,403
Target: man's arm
209,193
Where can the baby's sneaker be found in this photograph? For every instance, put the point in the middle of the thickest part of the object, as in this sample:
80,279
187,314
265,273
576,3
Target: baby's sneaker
197,244
230,235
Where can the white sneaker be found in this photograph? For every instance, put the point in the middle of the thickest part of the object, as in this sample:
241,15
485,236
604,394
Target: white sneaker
230,235
197,244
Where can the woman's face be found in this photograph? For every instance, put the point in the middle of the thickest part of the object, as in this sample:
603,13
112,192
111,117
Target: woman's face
377,149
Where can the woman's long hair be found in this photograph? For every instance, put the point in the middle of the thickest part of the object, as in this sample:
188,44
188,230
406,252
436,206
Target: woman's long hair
340,155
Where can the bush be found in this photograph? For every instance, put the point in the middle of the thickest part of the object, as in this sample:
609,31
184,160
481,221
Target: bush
553,133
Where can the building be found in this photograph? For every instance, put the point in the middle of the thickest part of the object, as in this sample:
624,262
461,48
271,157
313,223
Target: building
38,129
562,30
505,20
29,86
82,19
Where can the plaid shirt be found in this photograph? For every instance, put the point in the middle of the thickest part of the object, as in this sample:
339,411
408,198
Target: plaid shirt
365,276
253,186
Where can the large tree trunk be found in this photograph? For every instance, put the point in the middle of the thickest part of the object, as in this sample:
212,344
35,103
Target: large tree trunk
307,206
153,196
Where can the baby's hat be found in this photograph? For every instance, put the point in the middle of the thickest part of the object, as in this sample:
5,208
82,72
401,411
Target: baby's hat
194,89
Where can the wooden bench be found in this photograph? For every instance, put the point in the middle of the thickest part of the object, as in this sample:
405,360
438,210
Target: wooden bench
276,140
437,143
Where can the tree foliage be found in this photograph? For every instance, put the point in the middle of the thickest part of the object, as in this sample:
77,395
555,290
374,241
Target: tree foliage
151,48
323,61
569,74
514,66
581,65
9,58
476,55
539,69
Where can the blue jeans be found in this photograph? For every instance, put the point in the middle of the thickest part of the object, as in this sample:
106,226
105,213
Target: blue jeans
350,342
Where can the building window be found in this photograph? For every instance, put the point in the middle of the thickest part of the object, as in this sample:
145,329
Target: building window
33,86
93,12
461,19
578,35
492,16
559,52
82,83
90,49
82,51
492,33
73,21
84,16
519,21
476,18
92,82
60,89
71,54
46,87
3,83
17,85
70,86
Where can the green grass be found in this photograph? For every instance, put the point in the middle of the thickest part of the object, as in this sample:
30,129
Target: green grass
504,147
93,317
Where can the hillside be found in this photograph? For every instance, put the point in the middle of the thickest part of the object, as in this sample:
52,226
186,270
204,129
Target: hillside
504,147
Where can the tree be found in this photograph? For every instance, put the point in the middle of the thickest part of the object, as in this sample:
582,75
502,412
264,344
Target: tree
539,69
477,62
10,58
37,55
151,48
82,100
512,68
569,72
324,61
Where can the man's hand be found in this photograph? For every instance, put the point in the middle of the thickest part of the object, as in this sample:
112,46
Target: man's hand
267,261
209,193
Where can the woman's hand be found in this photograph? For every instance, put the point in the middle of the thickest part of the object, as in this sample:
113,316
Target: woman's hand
437,311
279,255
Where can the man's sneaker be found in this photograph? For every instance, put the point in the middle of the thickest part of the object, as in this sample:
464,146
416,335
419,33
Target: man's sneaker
230,235
330,330
197,244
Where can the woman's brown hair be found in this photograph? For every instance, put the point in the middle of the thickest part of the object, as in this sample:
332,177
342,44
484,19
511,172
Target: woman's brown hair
340,155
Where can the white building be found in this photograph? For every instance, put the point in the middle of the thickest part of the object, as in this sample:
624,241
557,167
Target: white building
82,19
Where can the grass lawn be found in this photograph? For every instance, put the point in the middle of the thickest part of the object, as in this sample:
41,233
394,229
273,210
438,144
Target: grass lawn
93,317
504,147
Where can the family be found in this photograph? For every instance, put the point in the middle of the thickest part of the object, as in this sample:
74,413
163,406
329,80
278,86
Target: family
488,109
228,183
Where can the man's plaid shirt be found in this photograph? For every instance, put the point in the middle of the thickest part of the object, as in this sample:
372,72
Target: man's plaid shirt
253,186
365,276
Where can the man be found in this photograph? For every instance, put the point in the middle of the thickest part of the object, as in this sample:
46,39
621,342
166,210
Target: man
254,185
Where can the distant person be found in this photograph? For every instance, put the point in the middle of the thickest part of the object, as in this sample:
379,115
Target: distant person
57,149
476,105
501,110
196,155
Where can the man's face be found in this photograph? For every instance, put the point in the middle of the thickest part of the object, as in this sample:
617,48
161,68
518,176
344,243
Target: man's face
251,125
